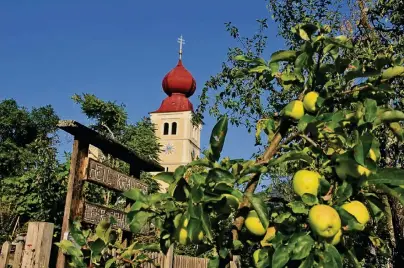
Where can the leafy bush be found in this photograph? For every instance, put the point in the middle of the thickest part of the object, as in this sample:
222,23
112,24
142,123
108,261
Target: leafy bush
102,248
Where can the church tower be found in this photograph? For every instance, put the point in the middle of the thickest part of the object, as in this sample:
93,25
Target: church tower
179,138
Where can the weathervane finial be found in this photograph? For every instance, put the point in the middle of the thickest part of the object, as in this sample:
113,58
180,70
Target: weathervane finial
181,41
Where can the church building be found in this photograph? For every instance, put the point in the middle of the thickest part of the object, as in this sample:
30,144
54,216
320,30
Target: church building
179,138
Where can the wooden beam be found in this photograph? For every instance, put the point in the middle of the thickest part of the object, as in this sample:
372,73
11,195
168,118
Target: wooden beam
74,203
109,146
38,245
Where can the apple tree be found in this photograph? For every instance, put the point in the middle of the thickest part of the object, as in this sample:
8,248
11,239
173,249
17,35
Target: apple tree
328,130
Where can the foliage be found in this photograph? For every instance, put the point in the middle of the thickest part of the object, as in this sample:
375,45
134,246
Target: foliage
241,94
34,181
111,120
337,139
102,248
289,13
31,178
376,27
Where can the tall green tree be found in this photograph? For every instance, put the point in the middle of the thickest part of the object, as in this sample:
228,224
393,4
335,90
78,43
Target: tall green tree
32,180
331,131
376,28
111,119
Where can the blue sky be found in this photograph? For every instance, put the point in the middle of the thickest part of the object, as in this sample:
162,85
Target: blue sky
119,51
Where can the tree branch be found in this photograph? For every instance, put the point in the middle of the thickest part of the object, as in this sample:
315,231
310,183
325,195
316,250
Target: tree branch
309,140
109,130
355,89
252,184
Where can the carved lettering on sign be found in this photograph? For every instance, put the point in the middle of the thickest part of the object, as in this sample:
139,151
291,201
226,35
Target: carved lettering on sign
103,175
94,214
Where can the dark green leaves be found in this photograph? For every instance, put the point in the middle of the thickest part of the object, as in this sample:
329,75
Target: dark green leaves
362,148
392,176
218,175
308,262
300,245
376,206
134,194
349,220
331,257
282,217
303,60
344,191
69,248
138,220
283,55
199,214
291,156
77,234
103,230
262,259
392,116
393,72
214,262
261,208
309,199
341,41
307,30
166,177
370,110
280,257
304,121
217,138
298,207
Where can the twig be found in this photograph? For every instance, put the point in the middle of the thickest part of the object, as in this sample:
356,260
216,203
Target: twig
15,226
289,139
355,89
309,140
109,130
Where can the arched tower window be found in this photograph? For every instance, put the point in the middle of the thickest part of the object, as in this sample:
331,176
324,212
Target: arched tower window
174,128
166,126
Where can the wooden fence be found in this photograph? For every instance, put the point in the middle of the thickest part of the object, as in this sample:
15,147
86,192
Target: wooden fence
180,261
34,252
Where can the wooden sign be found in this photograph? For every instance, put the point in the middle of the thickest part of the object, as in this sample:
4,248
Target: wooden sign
106,176
82,169
95,213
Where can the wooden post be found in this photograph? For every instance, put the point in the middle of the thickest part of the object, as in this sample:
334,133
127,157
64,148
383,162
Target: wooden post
74,203
168,262
18,255
38,245
5,254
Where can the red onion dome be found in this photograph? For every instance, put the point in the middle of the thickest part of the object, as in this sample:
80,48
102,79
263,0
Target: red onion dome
179,80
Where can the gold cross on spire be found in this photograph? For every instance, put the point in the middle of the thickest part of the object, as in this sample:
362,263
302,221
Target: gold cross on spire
182,42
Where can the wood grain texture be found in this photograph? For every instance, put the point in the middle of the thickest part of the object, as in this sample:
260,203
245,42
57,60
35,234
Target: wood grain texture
74,204
38,245
109,146
19,250
5,254
105,176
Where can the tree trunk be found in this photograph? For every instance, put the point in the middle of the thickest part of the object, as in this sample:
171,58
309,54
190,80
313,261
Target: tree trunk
397,211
